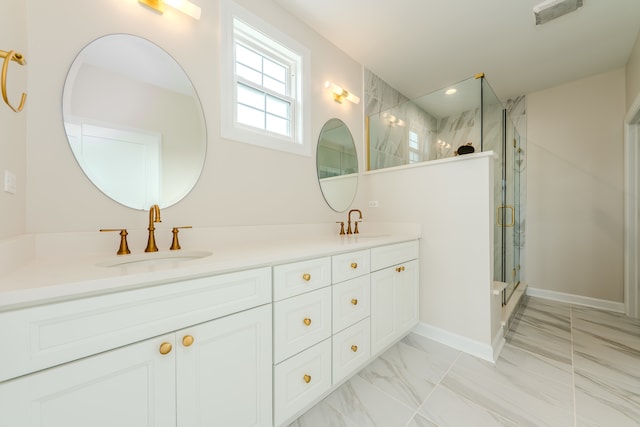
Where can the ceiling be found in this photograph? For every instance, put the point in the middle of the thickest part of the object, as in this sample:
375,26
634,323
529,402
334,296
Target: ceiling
419,46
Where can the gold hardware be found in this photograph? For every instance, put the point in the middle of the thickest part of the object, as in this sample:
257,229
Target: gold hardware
307,378
355,231
175,245
307,321
513,273
513,216
306,277
354,301
154,216
124,248
187,340
479,76
9,56
400,269
165,348
354,348
341,227
157,5
354,265
514,143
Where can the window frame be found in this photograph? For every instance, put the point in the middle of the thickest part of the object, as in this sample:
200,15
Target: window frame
237,24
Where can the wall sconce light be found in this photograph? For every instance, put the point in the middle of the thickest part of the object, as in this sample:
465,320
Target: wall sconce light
392,120
339,93
183,6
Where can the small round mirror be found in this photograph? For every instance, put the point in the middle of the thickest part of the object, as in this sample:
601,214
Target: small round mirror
337,165
134,121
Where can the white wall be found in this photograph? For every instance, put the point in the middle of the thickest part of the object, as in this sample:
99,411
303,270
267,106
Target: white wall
13,127
575,187
241,184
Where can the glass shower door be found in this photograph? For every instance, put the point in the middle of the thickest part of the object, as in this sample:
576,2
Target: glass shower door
509,212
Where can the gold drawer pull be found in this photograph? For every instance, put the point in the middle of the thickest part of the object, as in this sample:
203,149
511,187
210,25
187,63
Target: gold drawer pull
354,301
354,265
307,378
187,340
165,348
354,348
306,277
307,321
400,269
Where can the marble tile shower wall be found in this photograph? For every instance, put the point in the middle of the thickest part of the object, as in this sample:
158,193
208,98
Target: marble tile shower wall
392,116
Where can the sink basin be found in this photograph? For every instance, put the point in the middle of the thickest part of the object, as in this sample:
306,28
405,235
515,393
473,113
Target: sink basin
154,258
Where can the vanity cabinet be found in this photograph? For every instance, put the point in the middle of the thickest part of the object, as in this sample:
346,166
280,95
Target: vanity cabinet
216,371
394,293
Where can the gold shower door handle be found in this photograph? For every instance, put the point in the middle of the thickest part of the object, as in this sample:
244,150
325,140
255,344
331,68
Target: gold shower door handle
513,216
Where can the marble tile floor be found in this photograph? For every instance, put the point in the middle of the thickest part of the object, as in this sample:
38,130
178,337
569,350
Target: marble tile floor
563,365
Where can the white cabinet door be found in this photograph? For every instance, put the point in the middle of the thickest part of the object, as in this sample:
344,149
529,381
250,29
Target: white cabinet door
224,371
394,303
127,387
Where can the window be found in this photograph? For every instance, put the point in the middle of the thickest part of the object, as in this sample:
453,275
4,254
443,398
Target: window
263,84
414,148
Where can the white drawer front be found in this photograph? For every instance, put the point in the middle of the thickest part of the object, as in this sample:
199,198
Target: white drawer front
300,277
348,266
386,256
48,335
301,322
351,302
351,349
300,380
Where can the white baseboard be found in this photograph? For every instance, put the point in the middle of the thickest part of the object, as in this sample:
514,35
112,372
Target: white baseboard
602,304
486,352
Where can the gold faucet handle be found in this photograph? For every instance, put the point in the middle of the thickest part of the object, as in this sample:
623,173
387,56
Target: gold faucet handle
175,245
341,227
355,230
124,247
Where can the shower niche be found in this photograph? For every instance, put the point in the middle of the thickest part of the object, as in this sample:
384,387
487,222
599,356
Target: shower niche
458,120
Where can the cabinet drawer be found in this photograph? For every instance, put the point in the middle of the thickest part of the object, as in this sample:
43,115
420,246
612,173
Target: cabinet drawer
386,256
301,380
48,335
351,349
351,302
301,322
300,277
348,266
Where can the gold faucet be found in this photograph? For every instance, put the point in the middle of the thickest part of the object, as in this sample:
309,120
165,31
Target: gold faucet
154,216
355,230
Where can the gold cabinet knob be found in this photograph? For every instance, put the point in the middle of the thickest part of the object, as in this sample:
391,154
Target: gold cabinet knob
400,269
354,301
306,277
307,378
354,265
307,321
354,348
187,340
165,348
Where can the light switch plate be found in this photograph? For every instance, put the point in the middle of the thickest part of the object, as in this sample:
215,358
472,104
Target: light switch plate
10,182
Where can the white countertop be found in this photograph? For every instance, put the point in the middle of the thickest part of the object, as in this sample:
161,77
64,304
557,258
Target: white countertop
55,278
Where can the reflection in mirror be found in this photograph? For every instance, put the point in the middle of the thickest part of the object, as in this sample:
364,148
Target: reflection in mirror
337,165
134,121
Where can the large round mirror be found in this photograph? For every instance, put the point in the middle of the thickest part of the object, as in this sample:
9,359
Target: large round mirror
134,121
337,165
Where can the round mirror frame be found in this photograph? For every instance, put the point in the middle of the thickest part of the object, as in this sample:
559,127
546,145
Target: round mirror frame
337,165
134,121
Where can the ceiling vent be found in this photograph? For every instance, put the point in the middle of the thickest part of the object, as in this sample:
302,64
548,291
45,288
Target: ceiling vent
552,9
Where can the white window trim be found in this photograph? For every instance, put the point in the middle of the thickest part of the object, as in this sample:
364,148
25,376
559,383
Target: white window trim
300,142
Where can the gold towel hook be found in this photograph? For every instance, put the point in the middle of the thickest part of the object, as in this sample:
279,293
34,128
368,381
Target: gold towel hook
8,56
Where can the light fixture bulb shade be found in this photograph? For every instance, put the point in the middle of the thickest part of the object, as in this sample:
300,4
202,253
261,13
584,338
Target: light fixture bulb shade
185,7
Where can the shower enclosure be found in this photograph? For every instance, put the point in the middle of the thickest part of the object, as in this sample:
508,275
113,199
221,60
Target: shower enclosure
463,117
